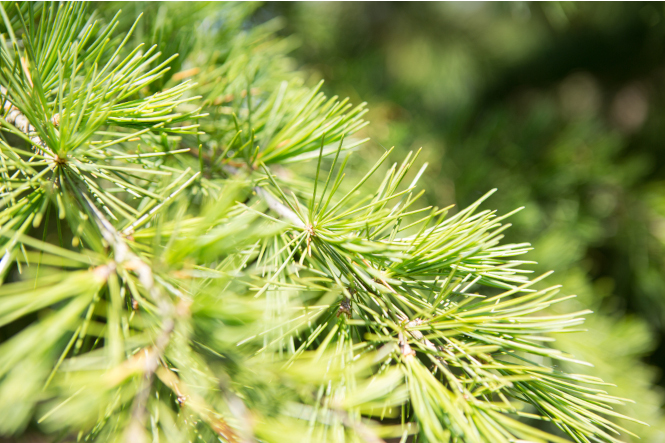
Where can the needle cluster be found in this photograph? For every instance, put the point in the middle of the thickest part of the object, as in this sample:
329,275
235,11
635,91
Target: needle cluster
183,257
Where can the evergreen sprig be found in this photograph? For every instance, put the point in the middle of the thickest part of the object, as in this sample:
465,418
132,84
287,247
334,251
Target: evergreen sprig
172,272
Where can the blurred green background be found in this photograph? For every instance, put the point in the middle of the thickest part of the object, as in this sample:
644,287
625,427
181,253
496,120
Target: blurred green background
559,106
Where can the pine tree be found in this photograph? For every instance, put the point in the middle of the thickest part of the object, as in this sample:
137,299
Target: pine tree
184,260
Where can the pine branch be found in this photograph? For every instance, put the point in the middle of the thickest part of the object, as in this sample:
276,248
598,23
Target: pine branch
123,256
201,296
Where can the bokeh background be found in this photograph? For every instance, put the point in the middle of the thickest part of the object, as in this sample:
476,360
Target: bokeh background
558,105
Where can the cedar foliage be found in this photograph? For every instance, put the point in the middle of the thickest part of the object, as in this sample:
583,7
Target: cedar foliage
184,259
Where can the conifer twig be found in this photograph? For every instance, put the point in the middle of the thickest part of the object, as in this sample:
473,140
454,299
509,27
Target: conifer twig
125,257
364,290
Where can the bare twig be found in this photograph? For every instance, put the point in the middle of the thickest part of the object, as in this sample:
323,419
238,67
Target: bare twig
273,203
16,118
278,207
